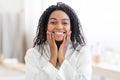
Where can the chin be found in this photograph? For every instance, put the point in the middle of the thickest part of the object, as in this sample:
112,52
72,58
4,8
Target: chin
58,39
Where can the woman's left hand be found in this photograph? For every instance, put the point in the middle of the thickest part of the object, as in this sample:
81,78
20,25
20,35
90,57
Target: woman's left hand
63,47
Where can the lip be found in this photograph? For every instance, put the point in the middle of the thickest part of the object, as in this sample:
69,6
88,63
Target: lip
59,33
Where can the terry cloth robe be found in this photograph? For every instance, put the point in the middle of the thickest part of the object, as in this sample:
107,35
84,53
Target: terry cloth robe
76,66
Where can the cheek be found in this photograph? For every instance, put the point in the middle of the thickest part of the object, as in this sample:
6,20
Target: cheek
68,28
50,28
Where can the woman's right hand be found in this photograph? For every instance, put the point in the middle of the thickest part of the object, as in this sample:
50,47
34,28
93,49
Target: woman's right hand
53,48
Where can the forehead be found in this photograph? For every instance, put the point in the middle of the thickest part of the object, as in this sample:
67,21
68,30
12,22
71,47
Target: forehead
59,14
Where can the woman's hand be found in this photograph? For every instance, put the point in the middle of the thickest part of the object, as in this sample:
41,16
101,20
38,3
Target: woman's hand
63,47
53,48
55,53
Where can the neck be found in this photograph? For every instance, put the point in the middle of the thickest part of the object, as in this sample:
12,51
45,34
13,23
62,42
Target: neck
58,43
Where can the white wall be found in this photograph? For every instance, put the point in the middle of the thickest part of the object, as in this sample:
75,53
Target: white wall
11,5
12,24
32,10
6,7
103,22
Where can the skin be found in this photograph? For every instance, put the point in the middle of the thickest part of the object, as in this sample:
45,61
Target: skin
58,36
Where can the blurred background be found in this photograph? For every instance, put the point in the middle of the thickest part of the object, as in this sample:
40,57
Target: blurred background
100,21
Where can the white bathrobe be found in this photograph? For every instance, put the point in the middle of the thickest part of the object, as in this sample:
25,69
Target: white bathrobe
76,66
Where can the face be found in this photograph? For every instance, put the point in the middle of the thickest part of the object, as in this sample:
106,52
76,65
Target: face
58,24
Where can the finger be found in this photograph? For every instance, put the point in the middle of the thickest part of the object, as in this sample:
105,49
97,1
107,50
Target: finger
48,36
64,38
53,39
68,36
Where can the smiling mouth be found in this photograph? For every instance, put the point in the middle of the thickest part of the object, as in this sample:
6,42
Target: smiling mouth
59,33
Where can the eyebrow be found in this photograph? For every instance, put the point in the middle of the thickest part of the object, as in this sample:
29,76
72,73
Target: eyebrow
56,19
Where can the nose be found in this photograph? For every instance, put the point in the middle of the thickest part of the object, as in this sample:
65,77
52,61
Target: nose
59,26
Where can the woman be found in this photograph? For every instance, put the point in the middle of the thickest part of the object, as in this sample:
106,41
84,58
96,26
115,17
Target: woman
58,52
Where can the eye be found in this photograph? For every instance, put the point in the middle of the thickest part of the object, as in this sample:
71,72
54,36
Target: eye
53,23
64,23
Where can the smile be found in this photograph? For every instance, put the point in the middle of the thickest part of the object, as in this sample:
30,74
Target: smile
59,33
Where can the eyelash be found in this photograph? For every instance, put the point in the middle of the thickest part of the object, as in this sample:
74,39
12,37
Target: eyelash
64,23
53,22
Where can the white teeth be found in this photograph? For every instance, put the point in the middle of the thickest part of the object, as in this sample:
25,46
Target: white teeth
58,32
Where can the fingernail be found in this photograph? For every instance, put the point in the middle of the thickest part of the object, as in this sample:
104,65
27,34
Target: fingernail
48,32
52,36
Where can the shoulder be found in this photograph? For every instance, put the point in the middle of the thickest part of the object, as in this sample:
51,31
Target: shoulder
84,52
32,52
85,49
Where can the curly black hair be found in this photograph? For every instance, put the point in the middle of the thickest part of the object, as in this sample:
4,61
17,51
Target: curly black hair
77,33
